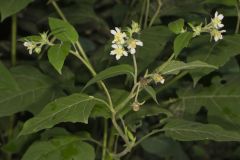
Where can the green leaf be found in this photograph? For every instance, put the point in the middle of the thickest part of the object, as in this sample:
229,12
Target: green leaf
57,55
192,131
151,92
154,40
7,81
73,108
34,88
63,30
85,13
62,148
174,67
220,99
217,54
176,26
111,72
164,147
182,41
10,7
223,2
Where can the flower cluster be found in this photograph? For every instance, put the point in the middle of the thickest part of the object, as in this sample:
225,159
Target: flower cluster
213,27
36,44
123,42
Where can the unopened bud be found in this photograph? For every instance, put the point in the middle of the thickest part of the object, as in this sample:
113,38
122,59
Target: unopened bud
136,106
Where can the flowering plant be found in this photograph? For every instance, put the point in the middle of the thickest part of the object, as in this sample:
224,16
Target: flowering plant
143,86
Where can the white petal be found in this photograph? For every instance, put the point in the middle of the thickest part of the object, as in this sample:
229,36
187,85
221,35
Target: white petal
125,53
223,31
220,25
112,53
132,50
216,13
114,46
118,57
162,81
220,16
113,32
216,38
117,29
124,34
139,43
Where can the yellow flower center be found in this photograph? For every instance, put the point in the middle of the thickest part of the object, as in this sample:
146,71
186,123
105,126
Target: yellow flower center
119,51
118,37
132,44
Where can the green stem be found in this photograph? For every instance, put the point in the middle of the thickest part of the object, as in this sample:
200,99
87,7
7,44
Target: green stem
105,135
142,13
111,142
59,11
147,136
146,14
238,18
135,69
14,40
156,13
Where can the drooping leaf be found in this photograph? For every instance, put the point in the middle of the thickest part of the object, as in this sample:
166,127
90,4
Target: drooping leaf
174,67
216,54
192,131
63,30
111,72
181,41
62,148
73,108
57,55
164,147
151,92
33,87
176,26
220,99
8,8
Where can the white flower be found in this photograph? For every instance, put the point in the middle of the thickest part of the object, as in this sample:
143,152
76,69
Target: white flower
217,20
30,46
132,45
119,51
118,36
217,35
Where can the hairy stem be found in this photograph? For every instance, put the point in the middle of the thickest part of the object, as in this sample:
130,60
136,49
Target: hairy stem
14,40
147,136
156,13
238,17
146,13
105,135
